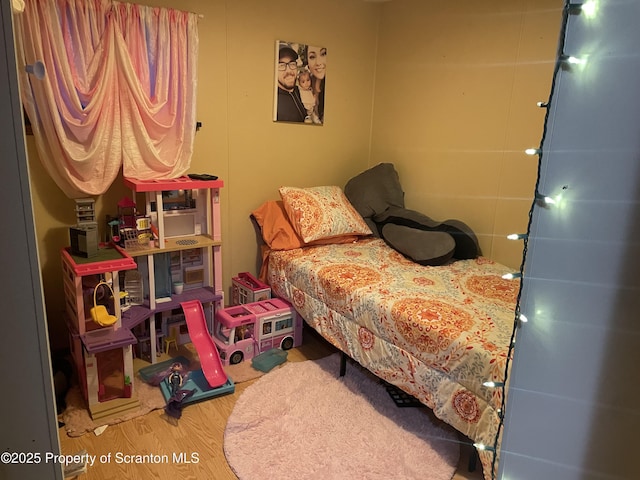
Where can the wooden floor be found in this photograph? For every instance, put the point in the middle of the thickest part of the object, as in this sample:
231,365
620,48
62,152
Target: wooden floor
156,447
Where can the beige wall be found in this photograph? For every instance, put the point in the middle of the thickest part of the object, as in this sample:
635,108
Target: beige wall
455,107
455,92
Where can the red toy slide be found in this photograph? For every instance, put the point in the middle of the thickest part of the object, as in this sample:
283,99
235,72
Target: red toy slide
207,351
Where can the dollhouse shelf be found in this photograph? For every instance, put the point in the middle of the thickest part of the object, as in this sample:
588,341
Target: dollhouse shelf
97,341
176,244
139,313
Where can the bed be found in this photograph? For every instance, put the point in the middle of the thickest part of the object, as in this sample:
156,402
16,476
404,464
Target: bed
438,332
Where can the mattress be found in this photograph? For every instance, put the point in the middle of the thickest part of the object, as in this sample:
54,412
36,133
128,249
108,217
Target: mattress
438,333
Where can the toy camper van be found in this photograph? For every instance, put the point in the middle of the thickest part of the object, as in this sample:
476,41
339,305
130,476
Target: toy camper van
243,331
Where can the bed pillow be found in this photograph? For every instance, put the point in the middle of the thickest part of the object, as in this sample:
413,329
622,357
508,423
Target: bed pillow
318,213
277,231
374,190
421,246
466,242
279,234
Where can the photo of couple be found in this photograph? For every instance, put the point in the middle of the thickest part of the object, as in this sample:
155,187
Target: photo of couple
300,83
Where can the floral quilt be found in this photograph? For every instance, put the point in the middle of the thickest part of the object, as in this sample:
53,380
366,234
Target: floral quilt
438,332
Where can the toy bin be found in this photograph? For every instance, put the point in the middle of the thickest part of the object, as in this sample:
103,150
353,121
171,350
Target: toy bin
245,288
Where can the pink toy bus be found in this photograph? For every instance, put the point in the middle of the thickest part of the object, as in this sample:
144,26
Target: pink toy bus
243,331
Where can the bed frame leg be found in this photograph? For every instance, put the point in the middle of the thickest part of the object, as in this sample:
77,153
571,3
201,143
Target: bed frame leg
343,364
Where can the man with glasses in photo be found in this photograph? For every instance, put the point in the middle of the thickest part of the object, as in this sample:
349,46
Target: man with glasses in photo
290,107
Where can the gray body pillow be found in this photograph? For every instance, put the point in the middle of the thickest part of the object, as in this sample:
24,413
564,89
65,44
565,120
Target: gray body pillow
421,246
466,243
377,195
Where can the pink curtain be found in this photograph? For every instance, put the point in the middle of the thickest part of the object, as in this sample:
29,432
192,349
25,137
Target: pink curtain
119,90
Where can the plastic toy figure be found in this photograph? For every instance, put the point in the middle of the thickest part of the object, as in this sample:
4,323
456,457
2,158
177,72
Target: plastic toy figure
175,377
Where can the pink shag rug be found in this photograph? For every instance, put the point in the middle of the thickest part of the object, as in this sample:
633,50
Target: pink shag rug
303,421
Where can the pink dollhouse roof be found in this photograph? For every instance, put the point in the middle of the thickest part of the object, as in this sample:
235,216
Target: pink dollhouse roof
170,184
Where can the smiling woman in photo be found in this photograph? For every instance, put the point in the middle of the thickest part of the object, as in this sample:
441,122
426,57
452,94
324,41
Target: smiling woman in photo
317,62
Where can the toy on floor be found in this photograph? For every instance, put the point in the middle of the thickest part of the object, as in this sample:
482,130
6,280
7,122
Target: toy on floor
175,378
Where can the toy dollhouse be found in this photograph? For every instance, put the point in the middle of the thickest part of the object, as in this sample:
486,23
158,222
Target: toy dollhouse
184,248
101,348
185,217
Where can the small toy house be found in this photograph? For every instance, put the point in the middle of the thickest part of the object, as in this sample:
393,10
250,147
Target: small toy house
245,288
102,354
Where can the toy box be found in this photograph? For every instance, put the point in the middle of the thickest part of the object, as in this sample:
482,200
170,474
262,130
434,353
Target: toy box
245,288
242,332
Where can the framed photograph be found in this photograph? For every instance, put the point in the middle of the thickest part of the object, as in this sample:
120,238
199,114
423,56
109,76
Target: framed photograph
300,72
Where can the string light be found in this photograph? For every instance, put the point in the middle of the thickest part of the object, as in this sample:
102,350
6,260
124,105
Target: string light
517,236
482,446
588,8
545,199
570,59
573,64
512,276
493,384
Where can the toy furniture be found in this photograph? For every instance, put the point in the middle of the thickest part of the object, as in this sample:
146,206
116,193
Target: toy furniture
84,235
99,313
172,339
245,288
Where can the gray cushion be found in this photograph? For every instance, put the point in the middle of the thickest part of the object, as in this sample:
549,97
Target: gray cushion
466,242
421,246
374,190
377,195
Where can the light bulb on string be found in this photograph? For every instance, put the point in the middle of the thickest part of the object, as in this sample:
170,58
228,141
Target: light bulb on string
493,384
522,318
571,61
517,236
512,276
544,199
483,447
556,201
543,104
589,8
533,151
